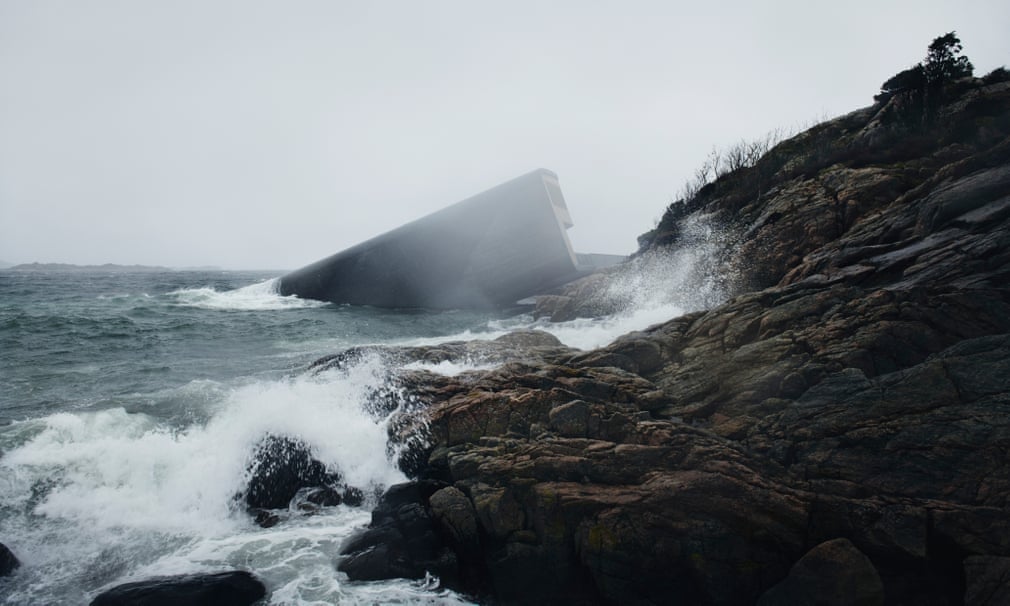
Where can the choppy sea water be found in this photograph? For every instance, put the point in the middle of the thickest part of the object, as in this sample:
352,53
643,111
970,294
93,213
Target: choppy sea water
130,405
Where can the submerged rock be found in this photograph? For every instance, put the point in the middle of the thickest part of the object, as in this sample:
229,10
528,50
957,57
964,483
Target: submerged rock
8,561
235,588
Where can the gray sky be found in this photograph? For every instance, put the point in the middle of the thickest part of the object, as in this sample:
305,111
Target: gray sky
252,134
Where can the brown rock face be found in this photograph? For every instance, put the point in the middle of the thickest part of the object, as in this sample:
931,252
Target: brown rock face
850,403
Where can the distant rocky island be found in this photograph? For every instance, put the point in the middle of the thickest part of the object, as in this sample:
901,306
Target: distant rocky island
106,267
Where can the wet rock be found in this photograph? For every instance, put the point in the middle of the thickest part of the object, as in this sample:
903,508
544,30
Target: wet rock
456,516
988,580
571,419
525,339
584,298
321,497
346,359
834,573
281,467
457,523
402,540
235,588
645,353
8,561
265,518
284,473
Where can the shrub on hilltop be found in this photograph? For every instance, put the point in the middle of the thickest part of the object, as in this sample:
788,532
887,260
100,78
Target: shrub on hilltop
944,63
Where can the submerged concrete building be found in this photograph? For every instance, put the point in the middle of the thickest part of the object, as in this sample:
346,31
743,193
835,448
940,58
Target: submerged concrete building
490,250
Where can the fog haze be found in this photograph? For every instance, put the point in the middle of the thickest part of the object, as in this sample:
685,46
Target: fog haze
269,135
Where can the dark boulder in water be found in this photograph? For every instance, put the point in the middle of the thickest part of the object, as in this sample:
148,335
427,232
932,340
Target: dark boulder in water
283,468
311,499
233,588
8,562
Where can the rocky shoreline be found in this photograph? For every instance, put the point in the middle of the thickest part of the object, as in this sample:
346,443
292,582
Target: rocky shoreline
836,432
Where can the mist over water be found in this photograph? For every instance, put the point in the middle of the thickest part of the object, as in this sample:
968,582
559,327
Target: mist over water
131,405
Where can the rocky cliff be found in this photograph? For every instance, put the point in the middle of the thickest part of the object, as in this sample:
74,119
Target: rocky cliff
838,432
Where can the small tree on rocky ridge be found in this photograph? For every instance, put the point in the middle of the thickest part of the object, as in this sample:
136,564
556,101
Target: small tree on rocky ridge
943,63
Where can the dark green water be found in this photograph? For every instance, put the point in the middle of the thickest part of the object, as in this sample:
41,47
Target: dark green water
130,403
91,340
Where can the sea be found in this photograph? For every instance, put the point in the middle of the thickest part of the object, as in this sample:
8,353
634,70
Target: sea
131,404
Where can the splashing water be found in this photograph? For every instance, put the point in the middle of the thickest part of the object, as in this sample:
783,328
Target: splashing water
449,368
658,286
683,278
117,493
263,296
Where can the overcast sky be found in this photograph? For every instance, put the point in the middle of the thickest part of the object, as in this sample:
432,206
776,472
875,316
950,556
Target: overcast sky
254,134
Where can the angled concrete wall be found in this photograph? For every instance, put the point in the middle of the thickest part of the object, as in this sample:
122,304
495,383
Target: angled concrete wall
489,250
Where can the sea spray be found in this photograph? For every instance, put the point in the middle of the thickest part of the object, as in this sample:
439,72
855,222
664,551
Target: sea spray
690,275
262,296
450,368
660,285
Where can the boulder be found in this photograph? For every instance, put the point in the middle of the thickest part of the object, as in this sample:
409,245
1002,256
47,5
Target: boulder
456,516
525,339
402,539
283,470
834,573
233,588
281,466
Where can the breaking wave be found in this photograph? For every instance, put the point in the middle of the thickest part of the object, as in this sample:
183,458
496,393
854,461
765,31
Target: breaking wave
262,296
103,494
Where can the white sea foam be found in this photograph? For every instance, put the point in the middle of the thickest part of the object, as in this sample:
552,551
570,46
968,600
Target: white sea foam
119,469
123,491
262,296
449,368
586,333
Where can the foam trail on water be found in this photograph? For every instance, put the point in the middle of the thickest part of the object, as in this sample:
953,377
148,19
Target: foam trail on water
262,296
449,368
586,333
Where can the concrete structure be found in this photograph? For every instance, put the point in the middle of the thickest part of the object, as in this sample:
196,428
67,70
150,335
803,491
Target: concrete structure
490,250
